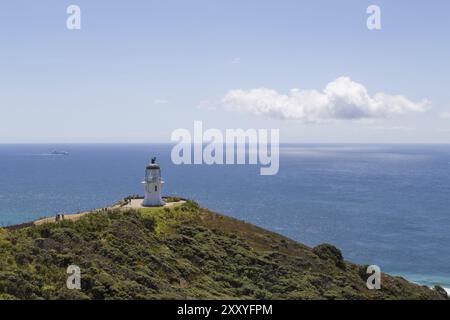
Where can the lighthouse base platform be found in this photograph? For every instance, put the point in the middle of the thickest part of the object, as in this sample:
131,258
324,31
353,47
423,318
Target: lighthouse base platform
138,203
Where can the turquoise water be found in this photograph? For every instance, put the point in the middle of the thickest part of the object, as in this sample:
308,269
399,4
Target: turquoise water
387,205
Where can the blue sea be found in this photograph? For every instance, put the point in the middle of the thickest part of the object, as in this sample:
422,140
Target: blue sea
387,205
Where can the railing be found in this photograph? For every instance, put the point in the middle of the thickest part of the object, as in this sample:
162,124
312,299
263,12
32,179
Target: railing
153,179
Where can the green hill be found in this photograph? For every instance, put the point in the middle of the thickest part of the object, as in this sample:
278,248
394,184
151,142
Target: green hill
182,252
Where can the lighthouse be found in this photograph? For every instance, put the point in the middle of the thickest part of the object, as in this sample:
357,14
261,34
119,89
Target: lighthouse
152,185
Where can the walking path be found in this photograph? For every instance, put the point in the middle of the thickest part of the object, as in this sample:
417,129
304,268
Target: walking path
133,204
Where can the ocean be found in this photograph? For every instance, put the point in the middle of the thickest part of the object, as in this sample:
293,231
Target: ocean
387,205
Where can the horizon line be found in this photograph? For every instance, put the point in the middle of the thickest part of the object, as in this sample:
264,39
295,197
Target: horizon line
174,143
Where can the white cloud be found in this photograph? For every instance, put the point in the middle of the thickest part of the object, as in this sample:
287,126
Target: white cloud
236,60
445,115
160,101
341,99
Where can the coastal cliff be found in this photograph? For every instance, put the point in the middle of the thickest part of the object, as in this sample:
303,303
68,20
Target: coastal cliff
179,252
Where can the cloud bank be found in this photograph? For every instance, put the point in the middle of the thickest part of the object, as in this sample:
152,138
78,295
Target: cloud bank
341,99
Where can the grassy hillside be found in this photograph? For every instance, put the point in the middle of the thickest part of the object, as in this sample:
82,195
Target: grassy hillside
177,253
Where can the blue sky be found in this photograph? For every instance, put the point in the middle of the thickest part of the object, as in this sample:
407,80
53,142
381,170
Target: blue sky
137,70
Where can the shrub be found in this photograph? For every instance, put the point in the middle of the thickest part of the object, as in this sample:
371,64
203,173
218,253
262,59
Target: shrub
329,252
441,291
149,223
362,272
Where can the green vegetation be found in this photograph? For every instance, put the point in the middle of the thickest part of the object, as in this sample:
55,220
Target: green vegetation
181,252
329,252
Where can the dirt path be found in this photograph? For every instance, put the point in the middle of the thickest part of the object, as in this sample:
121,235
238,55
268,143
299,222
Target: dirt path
72,217
135,204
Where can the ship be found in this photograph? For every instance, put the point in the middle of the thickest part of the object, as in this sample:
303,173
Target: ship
60,153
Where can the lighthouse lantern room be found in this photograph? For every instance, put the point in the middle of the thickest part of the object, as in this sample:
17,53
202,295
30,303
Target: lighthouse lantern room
152,185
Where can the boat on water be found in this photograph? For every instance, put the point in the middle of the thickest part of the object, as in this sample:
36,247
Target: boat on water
60,153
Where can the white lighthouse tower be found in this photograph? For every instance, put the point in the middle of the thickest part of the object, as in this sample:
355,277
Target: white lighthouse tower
152,185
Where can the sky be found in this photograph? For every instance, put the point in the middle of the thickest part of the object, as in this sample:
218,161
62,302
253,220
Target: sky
138,70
